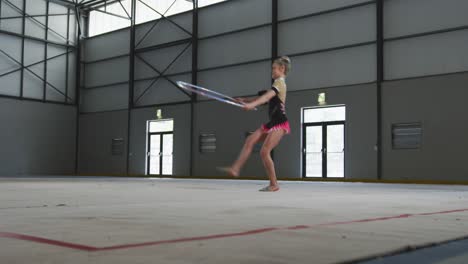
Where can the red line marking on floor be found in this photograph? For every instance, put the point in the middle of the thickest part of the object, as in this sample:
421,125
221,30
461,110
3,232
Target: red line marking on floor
210,237
188,239
41,240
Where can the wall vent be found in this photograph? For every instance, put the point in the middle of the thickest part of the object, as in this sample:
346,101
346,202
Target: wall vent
207,143
406,136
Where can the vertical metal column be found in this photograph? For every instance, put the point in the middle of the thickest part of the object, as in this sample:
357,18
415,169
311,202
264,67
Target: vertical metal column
274,29
380,79
77,86
194,81
46,35
68,55
131,83
22,50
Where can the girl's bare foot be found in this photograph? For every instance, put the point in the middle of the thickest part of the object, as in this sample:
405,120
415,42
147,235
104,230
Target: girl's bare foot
230,171
270,188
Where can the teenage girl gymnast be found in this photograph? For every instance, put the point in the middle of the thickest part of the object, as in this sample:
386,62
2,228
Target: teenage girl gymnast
272,132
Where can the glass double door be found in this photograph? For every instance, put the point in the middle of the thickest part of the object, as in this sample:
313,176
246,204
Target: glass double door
324,149
160,147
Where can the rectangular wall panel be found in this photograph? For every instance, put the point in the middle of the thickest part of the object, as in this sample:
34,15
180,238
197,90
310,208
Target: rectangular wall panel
107,45
438,103
346,27
35,26
56,75
404,17
233,15
288,9
11,84
12,10
162,59
105,98
11,45
238,80
33,86
107,72
96,133
58,28
164,31
162,91
428,55
334,68
39,138
234,48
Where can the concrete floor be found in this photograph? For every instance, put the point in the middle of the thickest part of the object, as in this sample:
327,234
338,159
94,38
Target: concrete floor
107,220
449,253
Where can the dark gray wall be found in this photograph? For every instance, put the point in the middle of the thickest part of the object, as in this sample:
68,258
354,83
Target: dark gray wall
439,103
36,138
96,133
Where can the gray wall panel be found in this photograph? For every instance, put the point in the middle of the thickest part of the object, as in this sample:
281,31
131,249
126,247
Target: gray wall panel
33,87
304,7
56,72
239,80
181,116
106,72
334,68
331,30
34,28
35,7
404,17
40,138
12,46
234,48
13,25
99,47
161,58
235,15
105,98
161,92
10,84
57,8
73,28
434,54
54,50
7,65
439,103
33,51
96,134
165,31
142,70
56,95
59,26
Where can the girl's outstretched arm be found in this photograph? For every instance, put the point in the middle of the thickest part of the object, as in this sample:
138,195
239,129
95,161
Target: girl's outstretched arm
260,100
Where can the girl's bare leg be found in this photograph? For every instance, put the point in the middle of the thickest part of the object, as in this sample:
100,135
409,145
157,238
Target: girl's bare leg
249,144
271,141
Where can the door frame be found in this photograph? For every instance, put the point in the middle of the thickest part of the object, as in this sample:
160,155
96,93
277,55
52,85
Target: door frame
324,126
148,158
